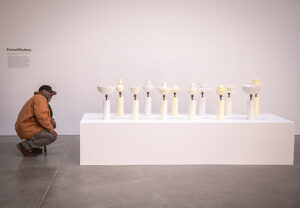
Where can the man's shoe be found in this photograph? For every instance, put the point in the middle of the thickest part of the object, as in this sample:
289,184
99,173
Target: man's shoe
24,151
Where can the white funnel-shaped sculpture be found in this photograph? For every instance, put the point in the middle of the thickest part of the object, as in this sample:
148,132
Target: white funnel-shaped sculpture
203,88
192,105
120,101
164,90
174,107
135,105
221,104
148,87
106,90
251,90
228,101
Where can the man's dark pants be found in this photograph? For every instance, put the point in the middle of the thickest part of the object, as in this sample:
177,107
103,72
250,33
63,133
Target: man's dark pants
40,139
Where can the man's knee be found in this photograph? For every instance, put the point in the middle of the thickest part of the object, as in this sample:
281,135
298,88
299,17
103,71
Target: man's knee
44,137
51,136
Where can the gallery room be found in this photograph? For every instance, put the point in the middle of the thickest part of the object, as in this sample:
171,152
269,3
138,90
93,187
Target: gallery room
150,103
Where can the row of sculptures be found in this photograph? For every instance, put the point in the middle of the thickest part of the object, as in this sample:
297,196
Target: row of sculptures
224,105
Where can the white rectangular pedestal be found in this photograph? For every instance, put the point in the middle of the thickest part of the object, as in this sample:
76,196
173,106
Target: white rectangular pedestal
267,140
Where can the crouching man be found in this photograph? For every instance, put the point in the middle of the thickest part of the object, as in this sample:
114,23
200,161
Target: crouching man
35,125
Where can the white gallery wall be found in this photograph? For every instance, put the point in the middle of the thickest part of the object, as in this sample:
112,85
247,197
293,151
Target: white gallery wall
77,45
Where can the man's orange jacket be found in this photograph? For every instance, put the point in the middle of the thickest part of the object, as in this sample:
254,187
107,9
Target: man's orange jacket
34,116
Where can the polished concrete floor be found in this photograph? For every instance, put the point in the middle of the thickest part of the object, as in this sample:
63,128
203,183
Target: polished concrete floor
57,180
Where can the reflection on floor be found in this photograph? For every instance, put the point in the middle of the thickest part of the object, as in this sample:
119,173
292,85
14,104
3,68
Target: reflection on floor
57,180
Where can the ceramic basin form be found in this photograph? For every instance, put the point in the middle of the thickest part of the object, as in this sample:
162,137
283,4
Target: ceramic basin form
251,89
106,90
164,91
135,90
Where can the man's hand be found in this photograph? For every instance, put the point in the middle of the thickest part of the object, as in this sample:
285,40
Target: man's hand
53,122
53,132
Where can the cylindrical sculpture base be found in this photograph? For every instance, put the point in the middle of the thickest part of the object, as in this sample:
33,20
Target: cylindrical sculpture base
256,106
221,106
202,106
250,110
120,108
135,110
192,109
106,109
163,110
174,106
228,107
148,106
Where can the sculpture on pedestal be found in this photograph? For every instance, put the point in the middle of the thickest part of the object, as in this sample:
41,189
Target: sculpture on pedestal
192,105
256,97
164,90
228,101
120,101
174,107
106,90
135,105
147,88
251,90
221,104
203,88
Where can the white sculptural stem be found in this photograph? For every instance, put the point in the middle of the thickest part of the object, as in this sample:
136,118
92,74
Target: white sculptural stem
135,109
228,106
202,105
120,108
163,109
106,109
148,105
174,105
221,106
250,109
192,108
